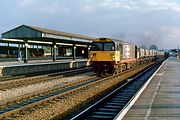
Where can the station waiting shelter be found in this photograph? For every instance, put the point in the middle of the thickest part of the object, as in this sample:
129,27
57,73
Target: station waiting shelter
66,44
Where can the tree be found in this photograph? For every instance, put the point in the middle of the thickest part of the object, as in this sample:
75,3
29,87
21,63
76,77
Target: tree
154,47
143,46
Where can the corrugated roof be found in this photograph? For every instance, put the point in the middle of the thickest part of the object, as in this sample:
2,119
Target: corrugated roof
55,32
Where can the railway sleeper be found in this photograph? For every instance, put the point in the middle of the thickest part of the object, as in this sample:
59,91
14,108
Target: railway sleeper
119,101
119,96
114,107
100,117
104,113
108,109
116,103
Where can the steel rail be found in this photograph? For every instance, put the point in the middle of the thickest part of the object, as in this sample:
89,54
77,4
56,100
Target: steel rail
110,105
38,79
53,97
34,99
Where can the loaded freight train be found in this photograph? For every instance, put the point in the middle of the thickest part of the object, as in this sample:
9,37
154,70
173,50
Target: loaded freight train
114,56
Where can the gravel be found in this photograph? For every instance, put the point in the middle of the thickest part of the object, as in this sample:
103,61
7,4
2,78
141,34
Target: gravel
61,108
16,92
58,109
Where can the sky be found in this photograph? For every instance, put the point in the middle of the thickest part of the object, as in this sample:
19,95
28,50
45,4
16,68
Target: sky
142,22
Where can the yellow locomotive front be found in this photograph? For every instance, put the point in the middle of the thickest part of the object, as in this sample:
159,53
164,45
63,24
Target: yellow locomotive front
103,55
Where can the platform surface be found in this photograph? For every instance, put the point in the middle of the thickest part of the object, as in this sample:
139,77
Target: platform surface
161,99
34,62
39,66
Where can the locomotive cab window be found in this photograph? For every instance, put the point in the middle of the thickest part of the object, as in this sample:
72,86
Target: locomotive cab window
98,46
109,47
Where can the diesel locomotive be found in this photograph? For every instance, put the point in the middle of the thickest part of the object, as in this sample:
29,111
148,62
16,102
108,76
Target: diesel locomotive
113,56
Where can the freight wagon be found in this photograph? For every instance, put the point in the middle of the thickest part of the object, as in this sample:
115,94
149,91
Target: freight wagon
113,56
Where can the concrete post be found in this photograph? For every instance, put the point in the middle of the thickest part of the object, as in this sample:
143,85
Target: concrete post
37,49
88,51
51,51
58,50
42,50
54,52
8,50
19,47
74,52
26,52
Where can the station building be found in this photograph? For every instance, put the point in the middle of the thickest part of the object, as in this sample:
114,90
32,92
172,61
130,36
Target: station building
41,42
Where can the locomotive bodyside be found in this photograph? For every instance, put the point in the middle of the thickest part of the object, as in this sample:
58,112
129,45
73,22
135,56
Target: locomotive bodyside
110,55
114,56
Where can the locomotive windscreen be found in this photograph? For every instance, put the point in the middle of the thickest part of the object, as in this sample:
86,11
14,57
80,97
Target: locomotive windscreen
96,46
100,46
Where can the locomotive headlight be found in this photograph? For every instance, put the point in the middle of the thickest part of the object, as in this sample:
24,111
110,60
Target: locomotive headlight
93,55
113,57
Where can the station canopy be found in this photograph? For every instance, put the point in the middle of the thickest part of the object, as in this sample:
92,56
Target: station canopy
37,35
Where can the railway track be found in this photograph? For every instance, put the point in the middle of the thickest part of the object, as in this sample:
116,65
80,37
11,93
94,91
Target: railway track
38,79
109,106
50,73
11,109
15,105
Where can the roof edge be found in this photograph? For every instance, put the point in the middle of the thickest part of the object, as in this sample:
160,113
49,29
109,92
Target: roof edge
50,31
13,29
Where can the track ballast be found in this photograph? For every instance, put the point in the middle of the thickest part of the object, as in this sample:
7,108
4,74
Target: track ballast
109,106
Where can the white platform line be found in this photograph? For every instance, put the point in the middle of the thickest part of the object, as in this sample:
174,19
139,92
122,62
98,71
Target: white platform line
148,112
123,112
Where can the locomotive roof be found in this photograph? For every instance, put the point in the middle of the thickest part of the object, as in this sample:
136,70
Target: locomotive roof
121,41
114,40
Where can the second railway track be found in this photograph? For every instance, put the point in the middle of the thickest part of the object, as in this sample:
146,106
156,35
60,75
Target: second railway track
27,101
38,79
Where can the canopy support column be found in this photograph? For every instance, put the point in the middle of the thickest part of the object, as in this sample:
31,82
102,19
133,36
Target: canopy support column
54,52
88,51
26,52
51,51
74,52
19,47
8,50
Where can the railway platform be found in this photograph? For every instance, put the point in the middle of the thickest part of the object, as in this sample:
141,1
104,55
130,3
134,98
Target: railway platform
15,68
160,99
